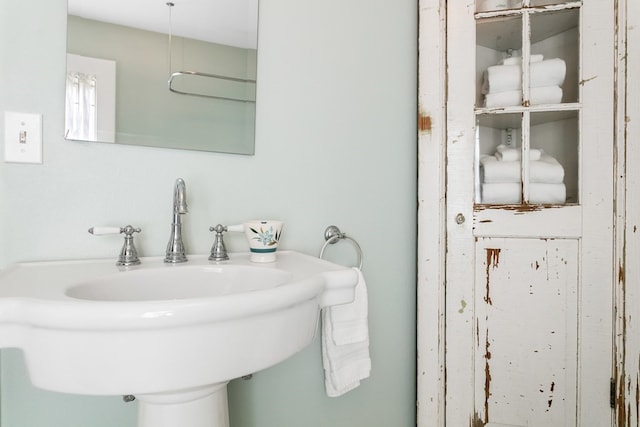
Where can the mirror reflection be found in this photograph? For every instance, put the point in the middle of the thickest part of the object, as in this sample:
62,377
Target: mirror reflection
177,74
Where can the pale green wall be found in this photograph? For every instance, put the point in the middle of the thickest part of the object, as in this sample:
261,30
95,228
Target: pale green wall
336,143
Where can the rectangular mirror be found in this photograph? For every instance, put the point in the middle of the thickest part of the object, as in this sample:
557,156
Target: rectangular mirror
122,54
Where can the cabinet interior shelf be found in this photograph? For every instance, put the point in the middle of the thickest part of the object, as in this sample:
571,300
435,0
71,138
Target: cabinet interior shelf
511,117
504,32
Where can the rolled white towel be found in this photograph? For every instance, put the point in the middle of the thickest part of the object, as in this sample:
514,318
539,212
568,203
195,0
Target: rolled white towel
509,154
547,170
540,193
545,95
537,95
502,193
509,98
548,73
513,60
510,193
503,78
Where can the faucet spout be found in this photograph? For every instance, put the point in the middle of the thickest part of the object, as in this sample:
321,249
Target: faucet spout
175,248
180,197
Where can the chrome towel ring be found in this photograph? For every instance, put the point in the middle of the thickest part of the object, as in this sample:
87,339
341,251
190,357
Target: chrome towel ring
332,234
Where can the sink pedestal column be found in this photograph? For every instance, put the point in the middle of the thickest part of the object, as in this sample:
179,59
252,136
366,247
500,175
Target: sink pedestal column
202,407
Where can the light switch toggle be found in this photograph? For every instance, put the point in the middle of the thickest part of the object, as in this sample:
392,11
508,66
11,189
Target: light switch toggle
22,137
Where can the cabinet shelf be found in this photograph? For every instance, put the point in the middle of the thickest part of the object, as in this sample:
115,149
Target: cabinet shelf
510,117
504,32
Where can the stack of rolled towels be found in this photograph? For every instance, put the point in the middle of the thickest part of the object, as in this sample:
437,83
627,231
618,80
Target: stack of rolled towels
502,83
502,180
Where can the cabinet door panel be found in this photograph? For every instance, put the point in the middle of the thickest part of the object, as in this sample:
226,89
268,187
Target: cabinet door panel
526,323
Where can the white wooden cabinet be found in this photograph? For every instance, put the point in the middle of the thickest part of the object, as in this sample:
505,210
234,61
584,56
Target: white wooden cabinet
517,235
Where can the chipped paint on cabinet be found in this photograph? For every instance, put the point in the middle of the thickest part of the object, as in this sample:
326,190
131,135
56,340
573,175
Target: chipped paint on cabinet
515,307
627,374
431,209
526,302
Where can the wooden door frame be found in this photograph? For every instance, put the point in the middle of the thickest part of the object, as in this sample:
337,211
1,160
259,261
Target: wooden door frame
627,342
431,212
432,137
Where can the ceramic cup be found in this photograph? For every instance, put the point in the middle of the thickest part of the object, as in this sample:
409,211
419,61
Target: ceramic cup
263,237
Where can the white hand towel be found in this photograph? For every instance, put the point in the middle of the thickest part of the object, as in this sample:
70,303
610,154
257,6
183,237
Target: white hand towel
509,154
345,342
510,193
547,170
503,78
350,322
537,96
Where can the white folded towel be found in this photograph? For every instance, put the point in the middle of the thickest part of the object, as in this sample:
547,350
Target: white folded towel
548,73
503,78
345,342
509,154
514,60
547,170
510,193
537,96
540,193
503,193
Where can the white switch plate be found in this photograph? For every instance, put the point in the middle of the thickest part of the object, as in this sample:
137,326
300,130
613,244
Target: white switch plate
22,137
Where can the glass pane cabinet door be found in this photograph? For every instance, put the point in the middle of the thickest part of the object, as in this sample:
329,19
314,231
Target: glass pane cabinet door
529,168
527,103
499,171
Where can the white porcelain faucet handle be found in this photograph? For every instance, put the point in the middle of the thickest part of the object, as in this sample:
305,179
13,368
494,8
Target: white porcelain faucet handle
103,230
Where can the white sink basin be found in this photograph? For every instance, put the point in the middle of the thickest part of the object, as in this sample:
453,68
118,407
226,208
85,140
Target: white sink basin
165,333
182,282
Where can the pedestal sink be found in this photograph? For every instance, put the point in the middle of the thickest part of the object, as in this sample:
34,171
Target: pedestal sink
172,335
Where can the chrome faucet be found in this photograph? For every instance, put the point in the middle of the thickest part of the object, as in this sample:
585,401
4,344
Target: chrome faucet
175,248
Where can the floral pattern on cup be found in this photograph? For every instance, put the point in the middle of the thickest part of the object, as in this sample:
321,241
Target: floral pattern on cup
267,237
263,237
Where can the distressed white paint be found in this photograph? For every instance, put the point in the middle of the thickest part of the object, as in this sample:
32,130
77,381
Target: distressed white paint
460,336
584,233
628,292
526,308
431,236
597,274
565,221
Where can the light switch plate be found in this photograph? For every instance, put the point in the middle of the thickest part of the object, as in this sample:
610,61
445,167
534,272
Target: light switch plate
22,137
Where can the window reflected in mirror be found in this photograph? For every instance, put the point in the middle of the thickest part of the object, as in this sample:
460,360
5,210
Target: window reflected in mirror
119,66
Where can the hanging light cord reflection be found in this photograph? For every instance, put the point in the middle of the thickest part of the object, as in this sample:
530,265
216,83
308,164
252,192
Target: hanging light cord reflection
197,73
170,4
